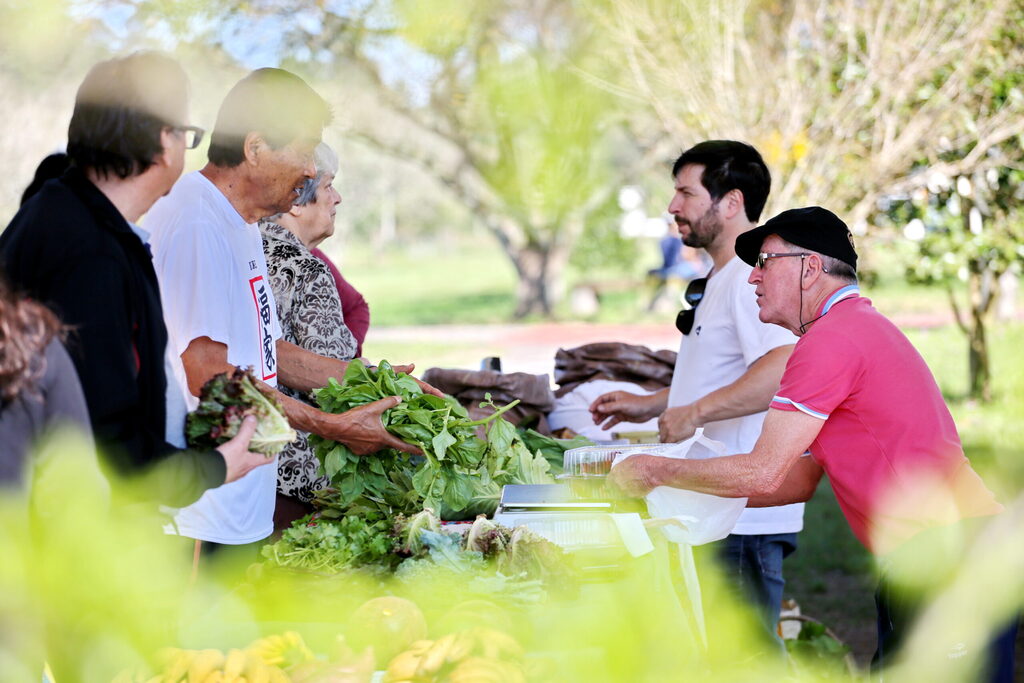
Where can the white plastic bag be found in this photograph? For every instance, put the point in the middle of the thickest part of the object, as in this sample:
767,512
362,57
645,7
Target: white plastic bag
573,409
690,517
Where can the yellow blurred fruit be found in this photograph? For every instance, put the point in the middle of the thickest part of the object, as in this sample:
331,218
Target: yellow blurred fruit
284,650
387,624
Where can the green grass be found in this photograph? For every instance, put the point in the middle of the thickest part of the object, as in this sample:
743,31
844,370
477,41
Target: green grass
469,280
831,574
992,433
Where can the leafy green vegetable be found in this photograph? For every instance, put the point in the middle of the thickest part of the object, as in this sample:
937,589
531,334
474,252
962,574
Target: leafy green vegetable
333,546
488,560
816,649
487,537
491,561
459,474
408,531
225,401
551,448
532,556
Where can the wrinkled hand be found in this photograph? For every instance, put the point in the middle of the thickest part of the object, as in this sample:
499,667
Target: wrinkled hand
238,459
427,389
636,475
622,406
678,424
362,430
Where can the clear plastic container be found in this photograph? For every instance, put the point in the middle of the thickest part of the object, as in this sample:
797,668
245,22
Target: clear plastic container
586,468
596,461
577,531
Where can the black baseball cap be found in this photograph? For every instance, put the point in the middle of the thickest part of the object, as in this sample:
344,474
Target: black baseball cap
812,228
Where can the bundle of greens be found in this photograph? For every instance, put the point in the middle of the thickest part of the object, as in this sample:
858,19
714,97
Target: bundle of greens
492,560
459,474
332,546
225,400
551,448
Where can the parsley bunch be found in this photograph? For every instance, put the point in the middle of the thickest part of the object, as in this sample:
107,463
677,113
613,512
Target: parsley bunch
331,546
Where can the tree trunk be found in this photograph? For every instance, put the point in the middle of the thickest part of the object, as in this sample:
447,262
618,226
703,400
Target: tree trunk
539,268
981,290
973,327
980,379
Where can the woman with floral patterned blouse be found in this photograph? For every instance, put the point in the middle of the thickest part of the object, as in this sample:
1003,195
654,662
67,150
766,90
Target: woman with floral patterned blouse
310,312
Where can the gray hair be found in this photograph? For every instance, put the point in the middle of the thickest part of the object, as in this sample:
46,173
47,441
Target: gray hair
841,270
326,162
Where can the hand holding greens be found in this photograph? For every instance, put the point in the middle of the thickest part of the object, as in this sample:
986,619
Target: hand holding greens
225,400
460,474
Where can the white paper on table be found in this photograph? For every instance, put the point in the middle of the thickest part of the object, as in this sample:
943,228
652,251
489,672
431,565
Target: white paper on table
633,533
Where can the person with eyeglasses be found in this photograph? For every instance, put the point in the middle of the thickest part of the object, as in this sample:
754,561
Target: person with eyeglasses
859,397
74,245
729,362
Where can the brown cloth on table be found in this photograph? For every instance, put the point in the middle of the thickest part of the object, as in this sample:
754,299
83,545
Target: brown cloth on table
614,361
468,387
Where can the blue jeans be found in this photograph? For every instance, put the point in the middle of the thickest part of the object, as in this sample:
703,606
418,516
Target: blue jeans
753,565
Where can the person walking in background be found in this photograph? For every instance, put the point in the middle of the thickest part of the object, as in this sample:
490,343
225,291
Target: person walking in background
679,263
729,362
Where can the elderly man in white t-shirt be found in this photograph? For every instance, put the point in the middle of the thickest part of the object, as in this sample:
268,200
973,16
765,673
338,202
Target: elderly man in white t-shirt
217,301
729,363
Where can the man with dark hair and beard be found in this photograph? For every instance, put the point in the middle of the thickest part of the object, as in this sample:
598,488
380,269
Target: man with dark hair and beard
729,363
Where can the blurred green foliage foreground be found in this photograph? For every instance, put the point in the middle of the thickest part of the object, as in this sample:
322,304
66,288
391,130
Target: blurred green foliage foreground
99,592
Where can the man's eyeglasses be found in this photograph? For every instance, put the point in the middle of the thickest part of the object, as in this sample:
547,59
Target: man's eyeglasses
193,135
762,257
693,295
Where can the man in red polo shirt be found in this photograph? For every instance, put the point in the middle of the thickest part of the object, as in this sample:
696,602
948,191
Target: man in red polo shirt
861,400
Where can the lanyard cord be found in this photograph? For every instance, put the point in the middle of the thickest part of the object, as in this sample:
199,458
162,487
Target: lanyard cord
804,325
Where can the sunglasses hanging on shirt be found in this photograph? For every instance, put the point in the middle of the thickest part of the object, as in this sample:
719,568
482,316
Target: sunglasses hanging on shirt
692,297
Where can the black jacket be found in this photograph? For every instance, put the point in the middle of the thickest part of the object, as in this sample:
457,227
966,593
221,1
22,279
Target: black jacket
71,249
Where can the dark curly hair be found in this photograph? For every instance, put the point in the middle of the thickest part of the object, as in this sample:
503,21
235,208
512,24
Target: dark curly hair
26,329
120,110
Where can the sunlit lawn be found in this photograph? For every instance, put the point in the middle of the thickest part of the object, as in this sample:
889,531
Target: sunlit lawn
432,283
469,280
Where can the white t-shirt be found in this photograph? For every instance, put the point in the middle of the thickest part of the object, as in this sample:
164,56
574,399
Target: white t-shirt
726,339
213,283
